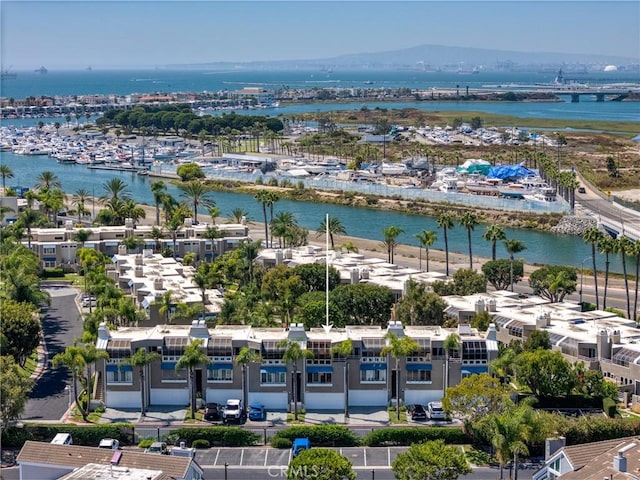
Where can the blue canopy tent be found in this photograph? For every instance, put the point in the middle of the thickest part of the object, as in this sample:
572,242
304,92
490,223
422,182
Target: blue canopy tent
510,171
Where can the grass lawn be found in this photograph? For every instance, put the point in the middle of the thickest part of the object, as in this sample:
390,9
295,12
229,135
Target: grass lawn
477,456
30,364
94,417
199,416
290,418
393,415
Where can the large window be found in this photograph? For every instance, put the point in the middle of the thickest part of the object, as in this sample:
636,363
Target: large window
117,373
318,378
220,375
321,350
272,378
373,376
419,376
474,350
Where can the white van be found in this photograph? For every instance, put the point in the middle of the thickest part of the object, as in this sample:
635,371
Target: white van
62,439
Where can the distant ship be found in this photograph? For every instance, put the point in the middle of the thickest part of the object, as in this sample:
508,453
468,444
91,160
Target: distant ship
41,70
7,75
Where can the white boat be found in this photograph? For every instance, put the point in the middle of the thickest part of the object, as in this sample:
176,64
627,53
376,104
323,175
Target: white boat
488,186
544,195
394,168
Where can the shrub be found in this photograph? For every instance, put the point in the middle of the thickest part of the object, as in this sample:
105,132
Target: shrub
609,406
53,273
88,435
146,443
200,443
410,435
227,436
280,442
320,435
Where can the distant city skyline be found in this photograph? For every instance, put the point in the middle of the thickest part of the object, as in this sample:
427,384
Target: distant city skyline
145,34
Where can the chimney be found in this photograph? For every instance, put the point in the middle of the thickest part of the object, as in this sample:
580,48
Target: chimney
103,331
552,445
620,461
492,333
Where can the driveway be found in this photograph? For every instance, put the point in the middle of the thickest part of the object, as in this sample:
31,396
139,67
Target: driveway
61,325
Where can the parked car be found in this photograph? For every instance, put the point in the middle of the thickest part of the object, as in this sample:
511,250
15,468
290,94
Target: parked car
158,448
109,443
89,301
300,444
212,411
418,412
581,189
234,411
435,411
257,412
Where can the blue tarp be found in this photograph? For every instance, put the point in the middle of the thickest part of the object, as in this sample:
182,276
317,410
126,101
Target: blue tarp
510,171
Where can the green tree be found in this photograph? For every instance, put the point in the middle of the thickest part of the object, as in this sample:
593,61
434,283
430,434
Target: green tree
594,235
498,272
115,189
607,246
245,357
294,352
390,234
5,172
469,220
79,200
197,193
553,282
537,339
27,219
464,282
158,190
320,464
193,357
546,373
313,276
262,196
47,180
432,460
426,238
624,244
494,233
418,306
190,171
363,304
140,359
452,345
14,391
513,246
20,329
399,347
334,226
445,222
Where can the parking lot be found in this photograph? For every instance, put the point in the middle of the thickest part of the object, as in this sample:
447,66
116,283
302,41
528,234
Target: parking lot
264,457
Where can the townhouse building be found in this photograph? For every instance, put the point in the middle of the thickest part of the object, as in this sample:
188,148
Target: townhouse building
366,377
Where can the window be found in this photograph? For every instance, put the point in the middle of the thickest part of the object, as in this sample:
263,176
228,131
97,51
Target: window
438,353
220,375
119,376
419,376
273,378
474,350
373,376
49,250
173,375
318,378
49,264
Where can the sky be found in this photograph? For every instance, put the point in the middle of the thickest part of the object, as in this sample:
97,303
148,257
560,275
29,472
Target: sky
129,34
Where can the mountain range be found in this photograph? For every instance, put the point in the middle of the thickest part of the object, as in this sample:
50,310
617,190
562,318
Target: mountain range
432,56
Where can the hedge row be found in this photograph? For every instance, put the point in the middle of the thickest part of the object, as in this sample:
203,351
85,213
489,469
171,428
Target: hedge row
216,436
410,435
318,435
89,435
610,407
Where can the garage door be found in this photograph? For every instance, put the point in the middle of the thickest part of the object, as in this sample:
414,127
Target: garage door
368,398
323,401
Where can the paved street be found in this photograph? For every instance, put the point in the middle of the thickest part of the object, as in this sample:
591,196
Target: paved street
60,325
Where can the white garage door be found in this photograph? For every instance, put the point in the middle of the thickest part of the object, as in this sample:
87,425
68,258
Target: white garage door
169,396
323,401
422,396
122,399
368,398
271,400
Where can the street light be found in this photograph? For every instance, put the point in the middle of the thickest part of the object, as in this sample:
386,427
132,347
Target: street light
582,276
226,467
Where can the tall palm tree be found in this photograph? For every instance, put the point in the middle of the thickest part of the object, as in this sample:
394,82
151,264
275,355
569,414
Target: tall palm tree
5,172
272,198
158,190
293,352
197,193
79,200
214,212
624,244
115,189
607,246
71,359
342,350
399,347
250,252
445,221
81,236
451,344
47,180
513,246
140,360
245,357
173,226
390,235
494,234
634,250
593,235
281,226
469,220
157,234
426,238
334,226
263,197
28,219
193,357
237,214
166,305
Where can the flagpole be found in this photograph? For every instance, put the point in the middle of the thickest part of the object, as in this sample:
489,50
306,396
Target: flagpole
326,280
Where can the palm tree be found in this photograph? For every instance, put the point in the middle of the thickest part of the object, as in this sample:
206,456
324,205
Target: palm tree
214,212
158,190
426,238
166,305
342,350
133,211
624,244
635,251
173,226
494,234
244,358
115,189
238,214
198,194
513,246
263,197
334,227
47,180
399,347
71,359
250,252
594,235
281,226
81,236
132,243
192,357
445,221
272,198
157,234
469,220
390,234
606,245
28,219
79,200
293,352
451,344
140,360
5,172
